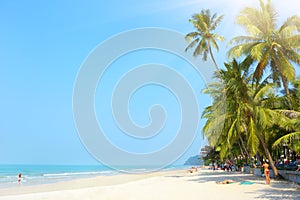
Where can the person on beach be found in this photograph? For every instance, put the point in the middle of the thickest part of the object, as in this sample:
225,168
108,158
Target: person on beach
19,178
193,169
267,172
228,181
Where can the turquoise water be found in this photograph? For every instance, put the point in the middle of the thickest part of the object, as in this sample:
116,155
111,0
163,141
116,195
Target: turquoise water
39,174
43,174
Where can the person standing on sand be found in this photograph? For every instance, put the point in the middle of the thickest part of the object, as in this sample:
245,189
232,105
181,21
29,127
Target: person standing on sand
267,172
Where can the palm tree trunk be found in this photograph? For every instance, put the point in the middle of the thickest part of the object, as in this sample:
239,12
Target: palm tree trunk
214,61
244,147
285,84
267,152
258,157
241,150
242,141
212,57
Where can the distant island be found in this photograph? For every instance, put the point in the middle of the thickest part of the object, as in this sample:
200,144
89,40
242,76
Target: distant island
194,160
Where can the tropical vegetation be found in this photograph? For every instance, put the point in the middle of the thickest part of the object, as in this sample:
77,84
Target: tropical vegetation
256,99
203,38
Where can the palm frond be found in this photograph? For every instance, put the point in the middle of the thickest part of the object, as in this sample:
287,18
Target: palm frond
258,50
291,21
243,39
216,22
286,138
192,44
253,140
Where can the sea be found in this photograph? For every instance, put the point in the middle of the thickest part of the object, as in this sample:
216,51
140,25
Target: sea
45,174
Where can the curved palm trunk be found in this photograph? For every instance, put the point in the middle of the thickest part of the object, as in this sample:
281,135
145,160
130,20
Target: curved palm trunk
212,57
285,84
262,140
214,61
241,150
244,147
242,141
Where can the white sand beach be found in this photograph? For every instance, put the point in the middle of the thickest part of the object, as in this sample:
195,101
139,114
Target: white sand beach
175,185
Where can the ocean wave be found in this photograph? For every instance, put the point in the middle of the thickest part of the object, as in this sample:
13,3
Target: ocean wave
76,173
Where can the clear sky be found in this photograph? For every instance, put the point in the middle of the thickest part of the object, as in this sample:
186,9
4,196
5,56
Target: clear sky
44,43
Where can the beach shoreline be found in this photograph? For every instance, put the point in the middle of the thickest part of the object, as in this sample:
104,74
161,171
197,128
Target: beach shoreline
87,182
173,184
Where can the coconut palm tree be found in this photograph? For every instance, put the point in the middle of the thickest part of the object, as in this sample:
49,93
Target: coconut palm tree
270,46
293,137
292,127
262,118
203,39
248,112
224,118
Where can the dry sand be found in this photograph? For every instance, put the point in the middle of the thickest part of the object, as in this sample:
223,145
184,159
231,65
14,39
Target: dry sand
160,185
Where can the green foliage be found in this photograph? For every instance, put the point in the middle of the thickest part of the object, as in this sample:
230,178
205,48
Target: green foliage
203,38
267,44
248,115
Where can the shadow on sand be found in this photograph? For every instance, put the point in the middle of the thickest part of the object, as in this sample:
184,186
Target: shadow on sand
278,189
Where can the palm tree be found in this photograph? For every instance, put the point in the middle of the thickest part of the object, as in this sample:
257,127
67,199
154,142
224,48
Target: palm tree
268,45
203,38
225,126
262,118
291,128
292,138
248,114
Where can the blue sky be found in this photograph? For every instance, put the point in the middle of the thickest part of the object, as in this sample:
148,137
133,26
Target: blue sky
44,43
